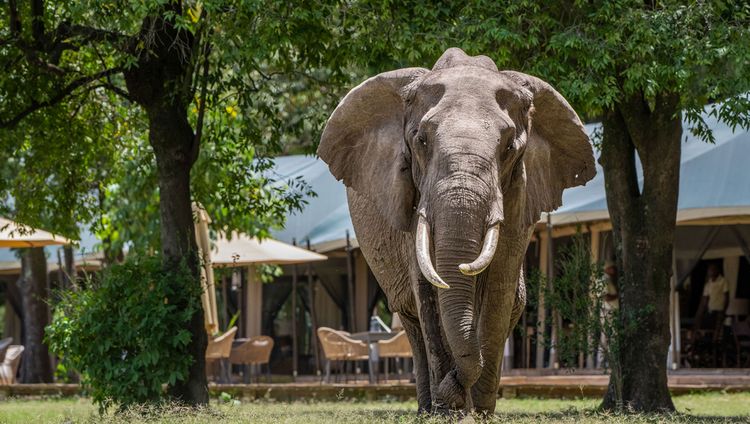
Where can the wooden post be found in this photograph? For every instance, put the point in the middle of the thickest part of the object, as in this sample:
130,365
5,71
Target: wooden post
350,281
595,243
541,307
313,318
244,313
362,315
253,303
674,328
553,361
294,319
225,281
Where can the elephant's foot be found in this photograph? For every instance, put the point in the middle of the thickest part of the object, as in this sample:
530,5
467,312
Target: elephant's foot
452,395
484,402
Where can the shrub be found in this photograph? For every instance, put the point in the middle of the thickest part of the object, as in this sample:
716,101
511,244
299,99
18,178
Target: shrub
127,334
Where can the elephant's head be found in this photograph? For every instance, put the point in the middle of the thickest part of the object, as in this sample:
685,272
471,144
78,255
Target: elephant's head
454,154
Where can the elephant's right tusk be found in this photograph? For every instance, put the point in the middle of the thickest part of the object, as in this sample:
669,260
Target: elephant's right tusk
423,253
485,256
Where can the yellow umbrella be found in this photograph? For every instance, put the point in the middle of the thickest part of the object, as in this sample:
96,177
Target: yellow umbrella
208,297
13,234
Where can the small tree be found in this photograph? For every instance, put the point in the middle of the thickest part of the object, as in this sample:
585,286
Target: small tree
127,333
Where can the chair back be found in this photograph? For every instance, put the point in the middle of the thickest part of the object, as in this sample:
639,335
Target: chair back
9,366
337,346
4,345
395,347
256,350
221,346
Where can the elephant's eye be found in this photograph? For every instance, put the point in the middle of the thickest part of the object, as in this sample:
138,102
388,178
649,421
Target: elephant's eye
422,139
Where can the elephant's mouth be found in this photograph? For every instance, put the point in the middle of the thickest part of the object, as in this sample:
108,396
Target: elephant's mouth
424,260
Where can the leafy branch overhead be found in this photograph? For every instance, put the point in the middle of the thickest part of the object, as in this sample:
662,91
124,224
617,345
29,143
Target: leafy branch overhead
246,74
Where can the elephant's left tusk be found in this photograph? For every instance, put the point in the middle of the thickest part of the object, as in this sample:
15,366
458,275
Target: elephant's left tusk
486,255
423,253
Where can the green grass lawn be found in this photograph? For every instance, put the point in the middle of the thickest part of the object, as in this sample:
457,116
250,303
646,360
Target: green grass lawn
713,407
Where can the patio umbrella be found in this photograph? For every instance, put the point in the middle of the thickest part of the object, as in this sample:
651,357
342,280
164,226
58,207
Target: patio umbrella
242,251
13,234
208,296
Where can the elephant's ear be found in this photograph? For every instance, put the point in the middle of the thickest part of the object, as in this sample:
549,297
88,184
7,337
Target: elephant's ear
363,144
558,151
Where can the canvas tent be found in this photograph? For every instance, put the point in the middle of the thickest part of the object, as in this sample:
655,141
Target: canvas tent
714,193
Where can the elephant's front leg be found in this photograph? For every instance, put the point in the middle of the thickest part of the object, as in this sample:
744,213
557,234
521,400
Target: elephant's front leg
502,303
421,364
438,357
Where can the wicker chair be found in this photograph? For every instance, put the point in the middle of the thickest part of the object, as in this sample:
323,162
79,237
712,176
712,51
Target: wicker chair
9,366
254,351
337,346
218,350
397,347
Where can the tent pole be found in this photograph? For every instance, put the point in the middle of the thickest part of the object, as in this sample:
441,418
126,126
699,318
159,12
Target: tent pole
225,281
675,316
350,280
553,361
313,318
294,318
237,275
541,307
595,242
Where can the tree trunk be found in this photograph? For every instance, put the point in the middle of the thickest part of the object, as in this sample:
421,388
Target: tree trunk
161,83
172,139
643,222
36,365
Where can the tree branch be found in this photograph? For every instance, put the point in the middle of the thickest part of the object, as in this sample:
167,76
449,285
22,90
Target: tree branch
202,106
15,20
57,98
37,23
88,34
117,90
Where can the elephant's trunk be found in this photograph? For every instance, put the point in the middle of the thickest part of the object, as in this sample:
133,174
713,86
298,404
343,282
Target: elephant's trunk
453,247
461,238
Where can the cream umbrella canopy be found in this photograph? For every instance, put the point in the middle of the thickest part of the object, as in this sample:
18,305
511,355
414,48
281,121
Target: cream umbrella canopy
208,295
241,250
13,234
244,251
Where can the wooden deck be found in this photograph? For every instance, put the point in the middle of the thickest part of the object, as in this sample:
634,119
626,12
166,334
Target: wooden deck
545,384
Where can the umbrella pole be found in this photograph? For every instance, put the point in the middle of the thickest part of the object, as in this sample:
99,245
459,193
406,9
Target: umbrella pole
313,319
244,313
225,281
350,280
294,319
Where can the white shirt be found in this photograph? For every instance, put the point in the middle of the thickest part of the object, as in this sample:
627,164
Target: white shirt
715,290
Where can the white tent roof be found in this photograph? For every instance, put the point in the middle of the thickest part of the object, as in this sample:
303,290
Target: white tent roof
714,182
13,234
242,250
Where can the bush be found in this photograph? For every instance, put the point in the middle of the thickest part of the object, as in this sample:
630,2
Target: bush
127,334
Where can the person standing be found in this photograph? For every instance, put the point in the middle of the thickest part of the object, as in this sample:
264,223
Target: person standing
713,302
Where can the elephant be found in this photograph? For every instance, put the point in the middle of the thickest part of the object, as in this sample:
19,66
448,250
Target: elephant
455,163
